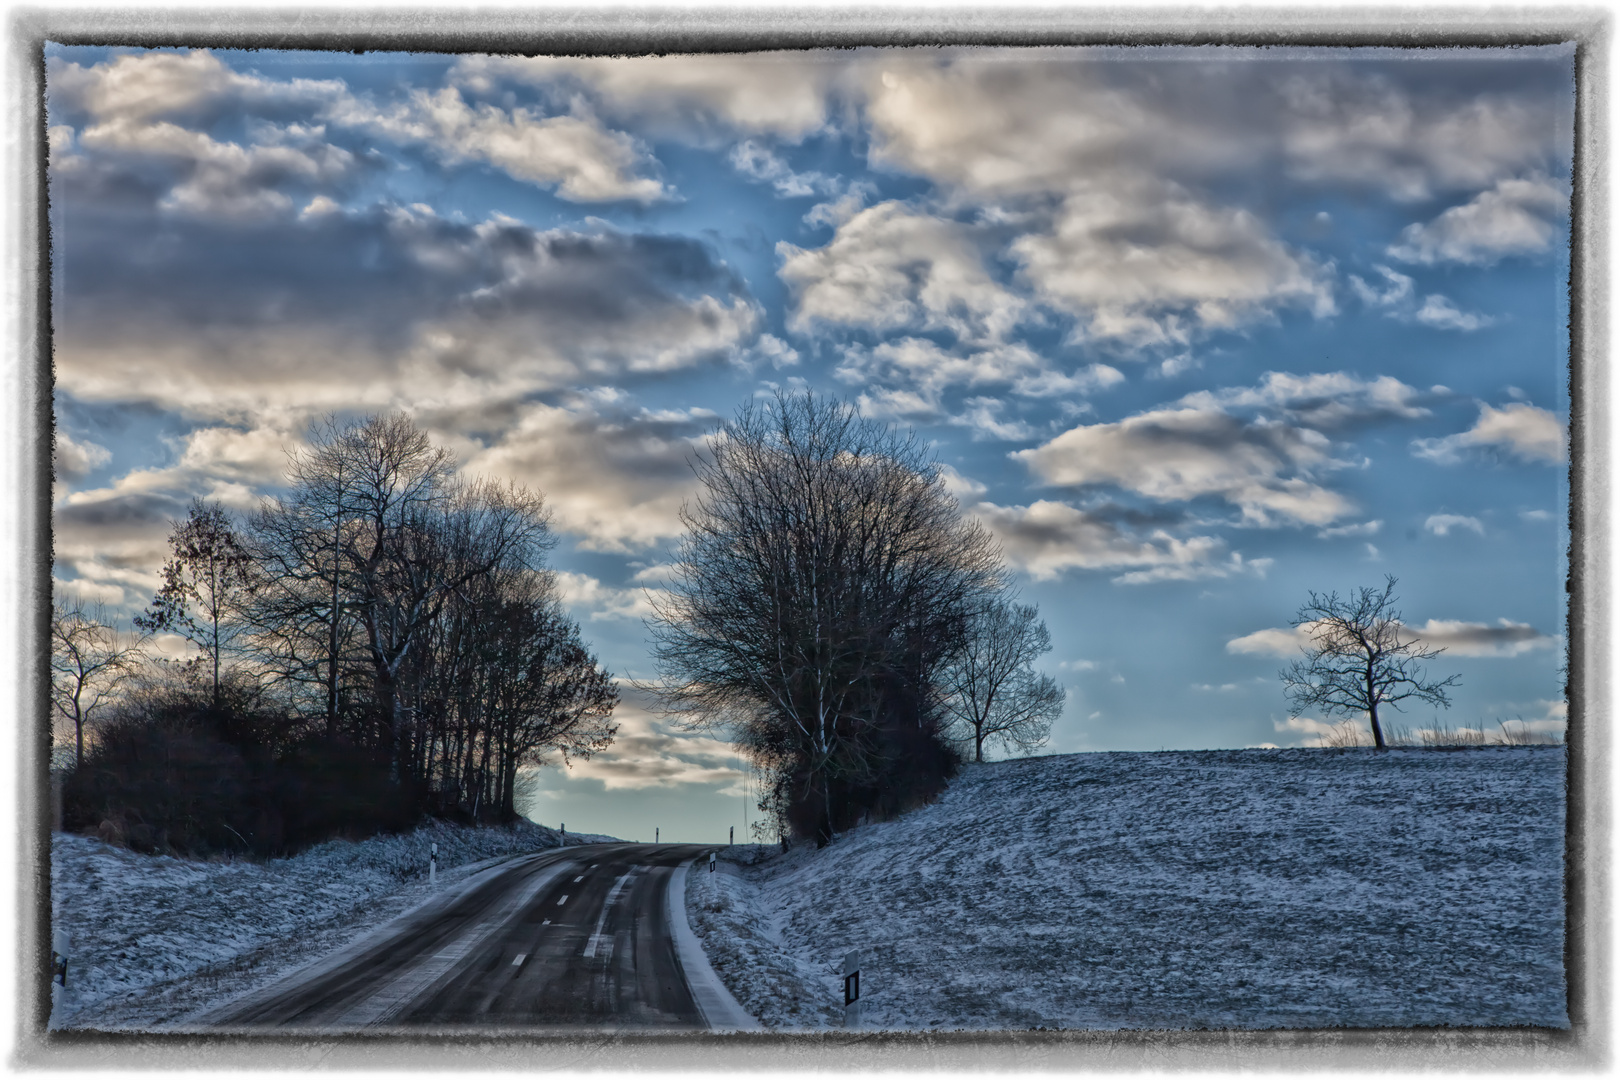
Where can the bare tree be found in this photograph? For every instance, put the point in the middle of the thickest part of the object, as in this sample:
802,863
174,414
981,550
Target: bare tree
1360,658
89,663
206,584
375,537
992,691
825,575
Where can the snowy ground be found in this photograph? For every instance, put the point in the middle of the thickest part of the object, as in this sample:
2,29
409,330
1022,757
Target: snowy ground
1248,889
155,938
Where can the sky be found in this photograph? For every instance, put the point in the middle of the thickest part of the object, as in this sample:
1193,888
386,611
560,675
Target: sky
1193,332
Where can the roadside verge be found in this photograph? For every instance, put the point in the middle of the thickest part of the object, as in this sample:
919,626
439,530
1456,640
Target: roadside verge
720,1010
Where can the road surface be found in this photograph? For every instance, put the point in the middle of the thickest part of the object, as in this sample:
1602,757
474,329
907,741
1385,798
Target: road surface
567,939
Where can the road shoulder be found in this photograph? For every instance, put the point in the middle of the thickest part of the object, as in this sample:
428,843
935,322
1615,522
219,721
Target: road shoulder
721,1011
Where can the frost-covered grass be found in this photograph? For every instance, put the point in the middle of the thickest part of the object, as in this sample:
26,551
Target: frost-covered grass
1225,889
153,937
743,942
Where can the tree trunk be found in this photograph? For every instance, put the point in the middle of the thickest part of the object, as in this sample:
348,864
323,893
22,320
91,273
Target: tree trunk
1372,711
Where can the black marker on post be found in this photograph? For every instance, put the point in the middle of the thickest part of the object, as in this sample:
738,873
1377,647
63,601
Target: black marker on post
852,989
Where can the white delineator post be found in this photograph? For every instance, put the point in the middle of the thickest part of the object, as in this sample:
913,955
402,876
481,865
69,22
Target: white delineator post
59,956
852,989
433,865
711,862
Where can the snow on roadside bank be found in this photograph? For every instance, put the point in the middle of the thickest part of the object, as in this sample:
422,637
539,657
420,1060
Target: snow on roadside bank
154,937
1244,889
743,943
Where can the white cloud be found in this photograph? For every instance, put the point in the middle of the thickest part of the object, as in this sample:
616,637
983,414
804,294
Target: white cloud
759,163
1366,528
1047,538
1458,638
1442,314
1398,300
592,601
777,351
583,160
139,87
1345,128
1506,638
1522,430
776,93
74,458
1516,217
1325,400
983,415
1285,642
615,479
891,267
462,316
1442,524
1183,453
1397,291
1145,271
1087,380
649,752
1306,725
924,370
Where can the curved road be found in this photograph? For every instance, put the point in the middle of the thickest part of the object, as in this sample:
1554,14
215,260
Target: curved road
570,938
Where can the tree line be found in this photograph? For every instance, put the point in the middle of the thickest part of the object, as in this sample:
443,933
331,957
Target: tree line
382,642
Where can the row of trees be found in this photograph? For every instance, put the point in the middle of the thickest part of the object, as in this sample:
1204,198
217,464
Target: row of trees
832,611
386,627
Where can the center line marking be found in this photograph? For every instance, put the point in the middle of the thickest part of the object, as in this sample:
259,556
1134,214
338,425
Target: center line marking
579,879
545,922
563,901
519,961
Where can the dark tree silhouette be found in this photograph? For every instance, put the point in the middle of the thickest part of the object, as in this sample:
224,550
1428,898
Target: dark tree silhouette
89,663
825,577
992,691
207,582
1360,657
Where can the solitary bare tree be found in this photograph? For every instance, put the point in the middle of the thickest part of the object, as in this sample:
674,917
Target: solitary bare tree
992,692
825,576
89,662
1360,657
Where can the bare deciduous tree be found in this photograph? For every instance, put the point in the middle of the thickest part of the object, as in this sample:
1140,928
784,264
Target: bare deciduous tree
375,537
992,691
825,576
1360,658
206,584
89,662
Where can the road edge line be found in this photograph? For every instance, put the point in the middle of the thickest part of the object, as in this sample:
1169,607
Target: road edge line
719,1009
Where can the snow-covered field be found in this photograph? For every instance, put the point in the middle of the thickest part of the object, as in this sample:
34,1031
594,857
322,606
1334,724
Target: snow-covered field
1247,889
155,938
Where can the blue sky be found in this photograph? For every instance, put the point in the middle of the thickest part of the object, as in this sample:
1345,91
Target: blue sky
1195,331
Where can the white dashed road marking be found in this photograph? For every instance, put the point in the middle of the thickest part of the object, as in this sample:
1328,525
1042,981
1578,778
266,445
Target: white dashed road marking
518,961
579,879
563,901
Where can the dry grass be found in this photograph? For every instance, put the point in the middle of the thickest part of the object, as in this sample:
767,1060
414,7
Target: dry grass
1348,734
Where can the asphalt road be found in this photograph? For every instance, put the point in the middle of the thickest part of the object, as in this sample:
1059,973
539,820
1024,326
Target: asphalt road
575,938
